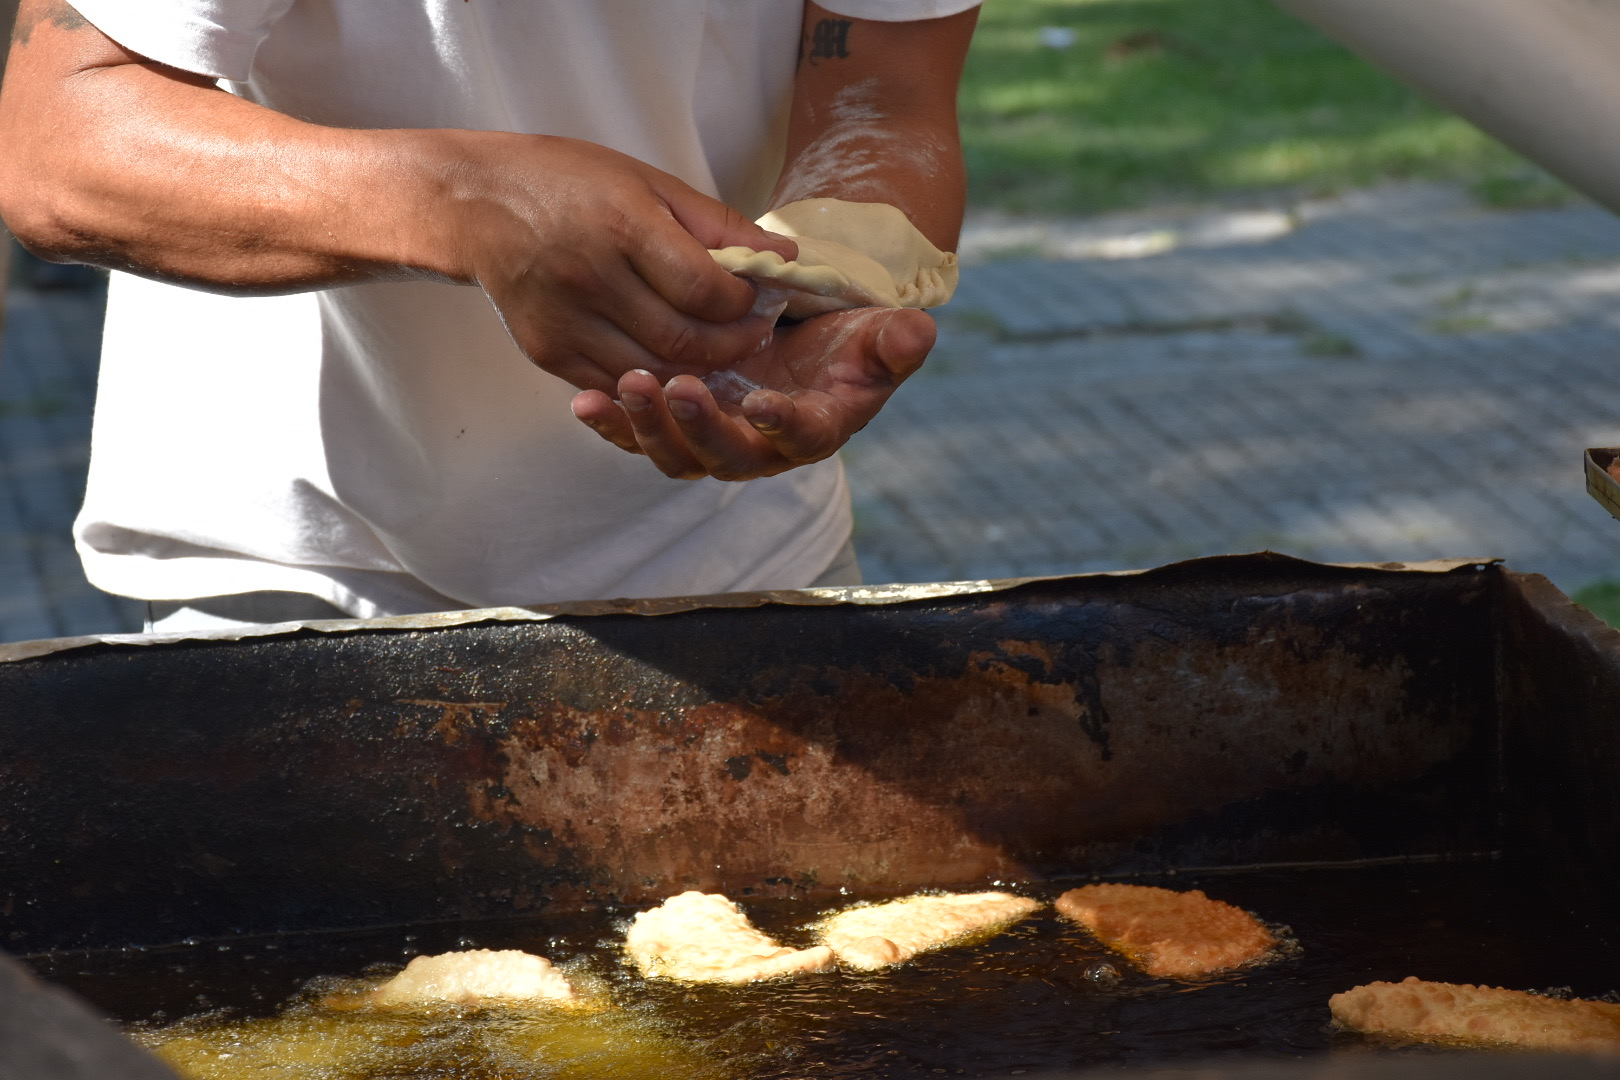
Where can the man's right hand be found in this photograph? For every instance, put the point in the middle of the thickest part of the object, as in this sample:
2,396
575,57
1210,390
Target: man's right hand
597,263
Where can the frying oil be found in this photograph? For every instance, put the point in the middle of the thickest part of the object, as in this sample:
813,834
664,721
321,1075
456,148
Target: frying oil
1042,996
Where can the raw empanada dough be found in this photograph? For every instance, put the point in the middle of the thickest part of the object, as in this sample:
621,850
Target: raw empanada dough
850,255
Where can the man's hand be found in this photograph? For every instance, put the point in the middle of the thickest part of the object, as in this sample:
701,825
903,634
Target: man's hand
599,263
823,380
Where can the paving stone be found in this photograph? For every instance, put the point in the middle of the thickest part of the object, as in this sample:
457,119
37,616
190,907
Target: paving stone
1423,439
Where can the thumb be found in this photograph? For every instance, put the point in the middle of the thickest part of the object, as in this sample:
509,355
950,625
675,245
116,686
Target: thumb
904,338
716,225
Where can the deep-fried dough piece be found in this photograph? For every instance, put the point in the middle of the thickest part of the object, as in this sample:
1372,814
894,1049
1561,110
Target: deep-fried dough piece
474,977
702,937
1168,933
878,935
1478,1014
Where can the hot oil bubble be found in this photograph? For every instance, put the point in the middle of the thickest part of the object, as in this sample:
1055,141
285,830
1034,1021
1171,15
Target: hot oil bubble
1102,974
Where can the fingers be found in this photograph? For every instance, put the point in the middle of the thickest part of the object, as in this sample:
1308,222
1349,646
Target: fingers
716,225
675,342
727,446
840,369
591,351
658,433
799,430
676,261
682,430
602,414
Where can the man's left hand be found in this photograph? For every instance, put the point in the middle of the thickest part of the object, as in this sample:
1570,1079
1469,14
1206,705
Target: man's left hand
821,381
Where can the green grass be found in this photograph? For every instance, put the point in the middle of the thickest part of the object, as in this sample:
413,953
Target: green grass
1193,100
1601,598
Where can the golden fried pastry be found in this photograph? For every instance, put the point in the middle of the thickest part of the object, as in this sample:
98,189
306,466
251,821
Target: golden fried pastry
1478,1014
1167,933
877,935
475,977
703,937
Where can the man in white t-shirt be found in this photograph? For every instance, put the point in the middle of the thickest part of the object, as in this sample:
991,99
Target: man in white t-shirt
299,413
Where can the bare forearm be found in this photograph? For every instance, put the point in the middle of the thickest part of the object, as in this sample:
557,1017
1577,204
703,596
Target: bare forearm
874,118
921,176
207,188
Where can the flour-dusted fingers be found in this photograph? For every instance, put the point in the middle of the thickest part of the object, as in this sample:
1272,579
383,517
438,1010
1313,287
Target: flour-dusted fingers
797,401
799,429
630,327
833,374
680,306
672,255
599,412
611,354
903,343
673,343
656,432
726,446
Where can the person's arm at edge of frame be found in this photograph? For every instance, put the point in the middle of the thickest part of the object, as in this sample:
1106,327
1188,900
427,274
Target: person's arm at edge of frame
597,262
873,120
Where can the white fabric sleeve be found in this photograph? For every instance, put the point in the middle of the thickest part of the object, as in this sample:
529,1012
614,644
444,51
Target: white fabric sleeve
897,10
216,38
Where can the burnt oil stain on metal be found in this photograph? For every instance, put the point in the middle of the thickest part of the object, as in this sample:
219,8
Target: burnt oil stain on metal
1072,726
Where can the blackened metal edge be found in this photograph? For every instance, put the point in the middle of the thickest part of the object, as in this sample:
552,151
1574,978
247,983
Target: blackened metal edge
1451,1064
825,597
1560,698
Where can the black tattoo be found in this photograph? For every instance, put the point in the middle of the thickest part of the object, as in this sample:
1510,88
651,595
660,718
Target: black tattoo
59,13
829,40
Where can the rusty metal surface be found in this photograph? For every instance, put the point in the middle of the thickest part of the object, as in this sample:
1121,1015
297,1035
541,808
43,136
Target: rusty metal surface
1229,711
1603,477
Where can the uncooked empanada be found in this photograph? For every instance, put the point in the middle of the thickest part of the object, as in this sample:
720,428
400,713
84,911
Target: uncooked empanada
850,255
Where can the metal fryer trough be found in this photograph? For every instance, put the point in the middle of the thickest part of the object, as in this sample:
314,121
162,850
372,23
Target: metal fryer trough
1235,711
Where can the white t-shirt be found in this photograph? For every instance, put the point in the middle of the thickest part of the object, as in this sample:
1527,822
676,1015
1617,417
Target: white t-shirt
387,447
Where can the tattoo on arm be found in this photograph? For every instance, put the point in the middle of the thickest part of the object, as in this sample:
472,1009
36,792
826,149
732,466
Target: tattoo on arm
58,13
827,40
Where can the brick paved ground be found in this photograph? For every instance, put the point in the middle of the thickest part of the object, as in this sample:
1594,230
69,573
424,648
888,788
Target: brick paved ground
1394,374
